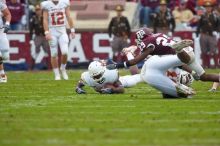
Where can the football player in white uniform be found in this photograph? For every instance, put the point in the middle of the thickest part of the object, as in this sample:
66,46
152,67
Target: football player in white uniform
4,43
55,15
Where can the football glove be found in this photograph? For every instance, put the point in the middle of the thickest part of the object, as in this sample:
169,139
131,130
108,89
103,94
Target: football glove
6,28
80,90
106,91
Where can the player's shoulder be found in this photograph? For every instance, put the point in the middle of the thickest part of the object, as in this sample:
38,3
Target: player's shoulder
45,5
65,2
2,6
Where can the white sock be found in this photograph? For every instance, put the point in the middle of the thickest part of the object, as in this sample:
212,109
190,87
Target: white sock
63,66
2,72
130,56
56,71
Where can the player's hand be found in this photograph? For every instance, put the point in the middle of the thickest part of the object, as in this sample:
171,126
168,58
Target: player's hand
80,90
111,39
128,41
72,35
195,76
48,36
111,66
6,28
106,91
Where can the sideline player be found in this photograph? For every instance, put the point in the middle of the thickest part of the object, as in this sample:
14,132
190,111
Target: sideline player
55,15
4,43
159,44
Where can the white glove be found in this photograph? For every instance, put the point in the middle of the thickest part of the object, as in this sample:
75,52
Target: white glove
128,41
216,34
170,34
111,39
31,42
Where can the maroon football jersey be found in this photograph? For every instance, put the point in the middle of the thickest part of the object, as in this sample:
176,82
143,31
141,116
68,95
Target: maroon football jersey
160,42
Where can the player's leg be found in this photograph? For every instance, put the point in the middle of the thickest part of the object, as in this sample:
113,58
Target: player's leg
187,56
54,56
4,55
63,42
130,80
214,87
153,73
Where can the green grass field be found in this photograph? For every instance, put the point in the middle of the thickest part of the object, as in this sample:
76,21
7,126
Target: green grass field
38,111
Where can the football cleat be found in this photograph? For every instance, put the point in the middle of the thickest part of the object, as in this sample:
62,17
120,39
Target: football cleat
64,74
212,90
3,78
178,46
131,49
182,89
57,77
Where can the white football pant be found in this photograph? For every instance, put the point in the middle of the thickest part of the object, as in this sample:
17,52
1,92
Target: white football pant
130,80
154,70
60,38
4,46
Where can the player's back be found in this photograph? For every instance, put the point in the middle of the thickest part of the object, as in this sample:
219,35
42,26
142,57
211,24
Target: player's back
161,44
56,13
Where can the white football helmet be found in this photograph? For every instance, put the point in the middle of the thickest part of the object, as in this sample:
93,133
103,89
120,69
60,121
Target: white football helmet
185,78
97,70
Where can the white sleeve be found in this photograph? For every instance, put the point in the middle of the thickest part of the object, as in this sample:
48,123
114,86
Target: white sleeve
44,5
2,6
85,77
66,2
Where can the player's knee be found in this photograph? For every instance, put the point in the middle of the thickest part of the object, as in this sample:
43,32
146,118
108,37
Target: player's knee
192,57
54,53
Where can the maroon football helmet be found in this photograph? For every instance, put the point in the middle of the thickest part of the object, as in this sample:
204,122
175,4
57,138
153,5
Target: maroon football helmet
143,33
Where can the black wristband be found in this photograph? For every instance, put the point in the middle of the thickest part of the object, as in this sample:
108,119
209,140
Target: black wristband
127,64
120,65
123,65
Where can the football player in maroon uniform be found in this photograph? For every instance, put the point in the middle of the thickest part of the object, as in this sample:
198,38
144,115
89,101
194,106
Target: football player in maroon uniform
159,44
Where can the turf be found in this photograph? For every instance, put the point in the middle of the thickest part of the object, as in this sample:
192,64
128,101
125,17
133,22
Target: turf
38,111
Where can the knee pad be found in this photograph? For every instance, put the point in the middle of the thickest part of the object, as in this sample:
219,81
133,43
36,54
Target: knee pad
53,52
189,51
63,42
53,47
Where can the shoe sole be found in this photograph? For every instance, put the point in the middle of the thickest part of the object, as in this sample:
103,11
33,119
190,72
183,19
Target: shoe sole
182,44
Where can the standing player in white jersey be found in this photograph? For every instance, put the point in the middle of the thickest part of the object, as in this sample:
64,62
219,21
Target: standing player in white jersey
55,15
4,43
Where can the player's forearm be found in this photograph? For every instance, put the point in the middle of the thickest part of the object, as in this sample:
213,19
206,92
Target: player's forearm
45,21
118,90
7,15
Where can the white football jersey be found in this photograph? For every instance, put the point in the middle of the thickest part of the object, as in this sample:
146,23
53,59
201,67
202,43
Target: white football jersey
56,12
2,7
110,76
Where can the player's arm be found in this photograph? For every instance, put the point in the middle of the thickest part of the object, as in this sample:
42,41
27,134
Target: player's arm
46,25
70,21
146,51
79,87
7,16
115,88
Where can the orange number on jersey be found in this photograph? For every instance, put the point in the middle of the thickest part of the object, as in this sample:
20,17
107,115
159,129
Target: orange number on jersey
57,18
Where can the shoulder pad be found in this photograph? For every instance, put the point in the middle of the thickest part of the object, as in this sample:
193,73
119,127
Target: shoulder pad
66,2
44,5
